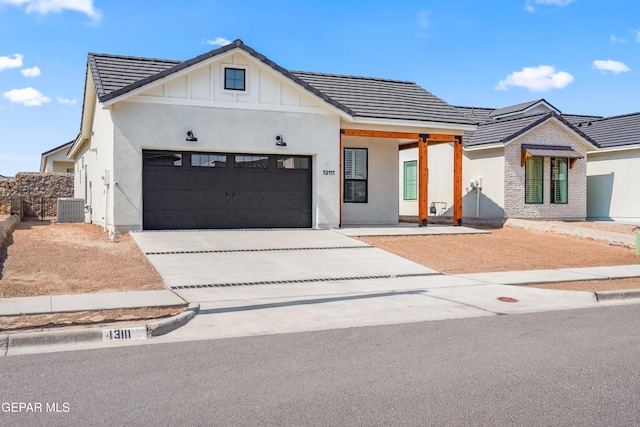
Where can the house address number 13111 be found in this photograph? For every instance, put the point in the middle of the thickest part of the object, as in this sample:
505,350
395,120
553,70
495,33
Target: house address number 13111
329,172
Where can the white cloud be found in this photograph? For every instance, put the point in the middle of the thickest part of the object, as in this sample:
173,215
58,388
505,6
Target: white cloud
423,18
615,39
537,79
560,3
43,7
6,62
218,41
65,101
30,72
28,97
610,65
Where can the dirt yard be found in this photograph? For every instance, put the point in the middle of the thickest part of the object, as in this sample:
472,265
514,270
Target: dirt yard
45,258
509,249
52,259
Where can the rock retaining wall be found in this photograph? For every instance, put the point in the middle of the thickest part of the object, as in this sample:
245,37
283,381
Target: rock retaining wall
6,228
33,184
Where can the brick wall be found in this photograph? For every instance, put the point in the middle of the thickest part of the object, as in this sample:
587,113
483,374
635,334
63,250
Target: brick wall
33,184
550,133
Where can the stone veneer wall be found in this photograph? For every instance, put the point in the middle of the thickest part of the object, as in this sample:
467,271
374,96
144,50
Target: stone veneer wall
550,133
34,184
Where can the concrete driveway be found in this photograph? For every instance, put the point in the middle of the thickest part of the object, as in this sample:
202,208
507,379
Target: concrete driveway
196,263
252,282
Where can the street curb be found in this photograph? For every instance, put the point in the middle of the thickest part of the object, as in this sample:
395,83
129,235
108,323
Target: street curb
617,295
4,344
41,339
165,326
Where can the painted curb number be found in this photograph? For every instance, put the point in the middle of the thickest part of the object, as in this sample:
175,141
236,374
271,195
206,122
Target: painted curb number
136,333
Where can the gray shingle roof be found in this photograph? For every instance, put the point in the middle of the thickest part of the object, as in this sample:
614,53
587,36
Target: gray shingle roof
383,98
112,73
614,131
357,96
65,145
506,130
516,108
476,114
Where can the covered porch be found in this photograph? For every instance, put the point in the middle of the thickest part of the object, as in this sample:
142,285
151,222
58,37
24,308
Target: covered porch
354,178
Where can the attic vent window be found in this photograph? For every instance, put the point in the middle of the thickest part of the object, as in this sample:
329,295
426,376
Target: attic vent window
234,79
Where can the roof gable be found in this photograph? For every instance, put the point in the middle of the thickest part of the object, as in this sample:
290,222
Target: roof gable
539,105
117,76
503,132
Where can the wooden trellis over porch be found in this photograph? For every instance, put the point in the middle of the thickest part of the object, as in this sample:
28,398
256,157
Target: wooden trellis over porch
423,141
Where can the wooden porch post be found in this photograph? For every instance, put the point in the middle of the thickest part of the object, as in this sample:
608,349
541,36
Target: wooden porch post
457,181
423,180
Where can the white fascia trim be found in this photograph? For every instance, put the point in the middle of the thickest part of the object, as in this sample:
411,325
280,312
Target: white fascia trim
226,105
221,57
414,124
613,149
485,147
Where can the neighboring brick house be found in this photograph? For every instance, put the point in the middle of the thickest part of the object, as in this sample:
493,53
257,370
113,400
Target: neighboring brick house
523,161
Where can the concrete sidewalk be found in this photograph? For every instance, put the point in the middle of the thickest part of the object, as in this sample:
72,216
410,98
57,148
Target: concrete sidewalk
166,298
88,302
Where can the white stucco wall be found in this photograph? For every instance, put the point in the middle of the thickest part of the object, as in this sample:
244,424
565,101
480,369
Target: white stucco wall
382,203
58,162
612,185
488,164
91,162
147,126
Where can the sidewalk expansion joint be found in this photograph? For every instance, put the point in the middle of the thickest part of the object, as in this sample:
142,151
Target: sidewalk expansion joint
302,281
222,251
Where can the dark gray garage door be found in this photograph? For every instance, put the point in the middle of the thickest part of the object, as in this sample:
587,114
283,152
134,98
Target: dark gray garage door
186,190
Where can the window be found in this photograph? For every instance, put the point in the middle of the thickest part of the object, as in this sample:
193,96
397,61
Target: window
533,180
559,171
157,158
70,170
411,180
209,160
234,79
252,162
293,162
355,175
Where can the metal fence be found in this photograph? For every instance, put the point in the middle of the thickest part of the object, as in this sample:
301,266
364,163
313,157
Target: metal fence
34,208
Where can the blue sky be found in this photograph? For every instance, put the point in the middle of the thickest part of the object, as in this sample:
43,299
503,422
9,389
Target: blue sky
582,56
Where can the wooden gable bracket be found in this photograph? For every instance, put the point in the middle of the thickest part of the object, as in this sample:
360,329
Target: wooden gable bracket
524,155
572,162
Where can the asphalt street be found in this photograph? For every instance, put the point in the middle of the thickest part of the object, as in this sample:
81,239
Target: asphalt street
574,367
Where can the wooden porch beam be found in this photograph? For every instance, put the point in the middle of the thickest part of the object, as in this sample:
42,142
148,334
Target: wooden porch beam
457,181
423,182
378,134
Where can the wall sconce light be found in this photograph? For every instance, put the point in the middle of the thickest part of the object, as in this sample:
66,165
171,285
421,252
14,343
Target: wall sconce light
280,141
191,137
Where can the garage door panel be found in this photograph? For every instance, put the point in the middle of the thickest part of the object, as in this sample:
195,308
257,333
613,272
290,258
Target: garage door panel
185,196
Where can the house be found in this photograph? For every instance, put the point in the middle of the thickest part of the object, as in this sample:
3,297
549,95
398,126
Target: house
230,139
56,160
531,161
613,170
